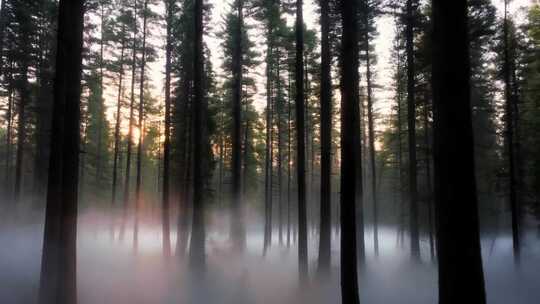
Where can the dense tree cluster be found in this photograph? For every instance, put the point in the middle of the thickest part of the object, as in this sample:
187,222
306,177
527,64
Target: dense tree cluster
83,124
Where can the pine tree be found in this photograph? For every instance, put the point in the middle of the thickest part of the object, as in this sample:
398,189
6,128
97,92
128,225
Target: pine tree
459,254
58,267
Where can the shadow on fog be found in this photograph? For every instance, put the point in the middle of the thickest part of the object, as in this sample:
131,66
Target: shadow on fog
109,271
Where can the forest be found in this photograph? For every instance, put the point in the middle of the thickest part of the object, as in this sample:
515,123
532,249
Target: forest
269,151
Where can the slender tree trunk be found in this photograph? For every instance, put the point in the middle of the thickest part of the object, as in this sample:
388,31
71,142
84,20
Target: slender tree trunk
21,129
9,131
279,111
300,148
118,119
371,132
326,143
268,155
197,246
509,136
58,282
458,238
429,200
165,216
138,182
349,137
237,225
411,130
101,98
289,162
245,156
130,129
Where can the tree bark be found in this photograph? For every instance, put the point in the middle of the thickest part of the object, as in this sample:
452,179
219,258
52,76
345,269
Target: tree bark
509,137
349,136
197,246
165,215
237,225
326,142
458,239
411,131
58,282
300,145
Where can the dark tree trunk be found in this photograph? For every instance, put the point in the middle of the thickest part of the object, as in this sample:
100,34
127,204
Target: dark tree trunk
138,182
326,142
289,162
268,149
371,133
101,106
279,112
411,130
237,225
118,119
460,262
130,128
197,246
349,172
429,188
300,146
165,216
58,265
24,99
9,117
510,145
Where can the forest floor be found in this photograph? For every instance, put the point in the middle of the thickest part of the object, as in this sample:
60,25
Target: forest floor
110,272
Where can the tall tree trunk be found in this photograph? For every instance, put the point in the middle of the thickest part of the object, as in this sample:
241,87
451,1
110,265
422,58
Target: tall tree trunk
237,225
58,282
289,161
349,137
509,137
197,246
411,130
118,122
138,182
429,196
371,132
279,111
458,239
301,146
268,154
24,95
326,142
130,128
165,216
9,131
101,106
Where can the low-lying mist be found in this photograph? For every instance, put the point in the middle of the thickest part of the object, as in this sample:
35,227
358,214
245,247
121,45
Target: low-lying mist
110,270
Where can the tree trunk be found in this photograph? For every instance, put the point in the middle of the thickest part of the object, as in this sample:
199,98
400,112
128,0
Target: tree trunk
458,239
268,154
138,182
165,216
130,129
326,143
9,131
371,132
58,282
237,225
510,146
301,149
197,246
349,136
411,130
24,99
118,119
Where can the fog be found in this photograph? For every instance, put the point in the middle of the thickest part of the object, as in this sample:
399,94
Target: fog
110,271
